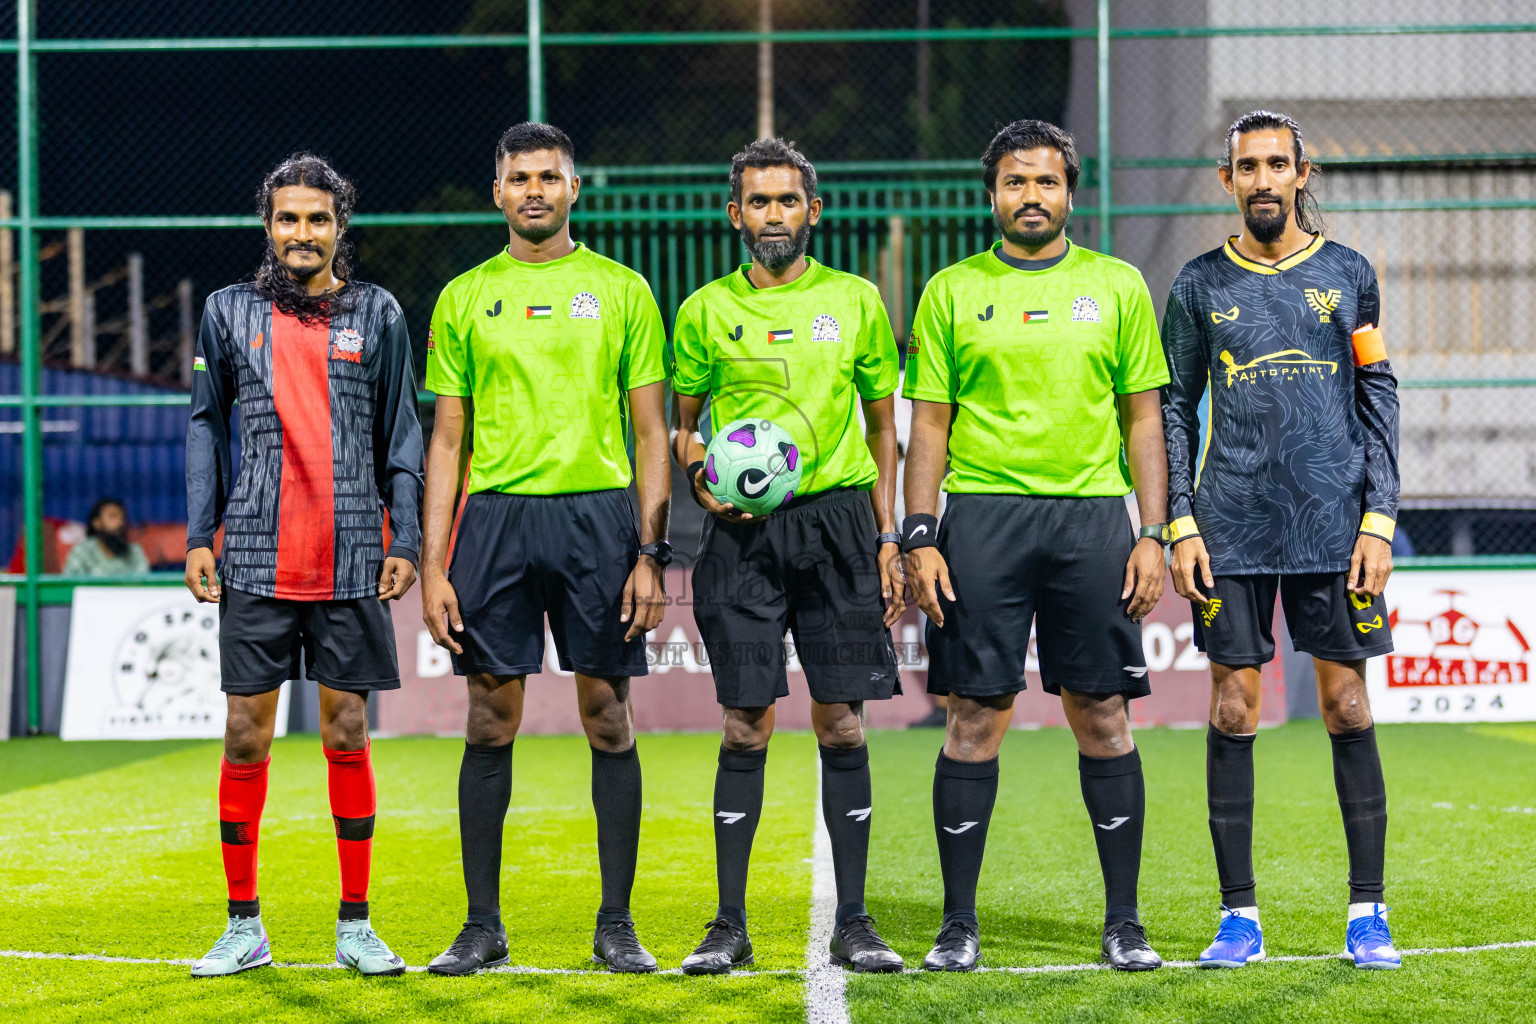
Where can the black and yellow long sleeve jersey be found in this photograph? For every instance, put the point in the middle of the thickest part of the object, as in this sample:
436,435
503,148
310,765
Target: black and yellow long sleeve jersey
1300,451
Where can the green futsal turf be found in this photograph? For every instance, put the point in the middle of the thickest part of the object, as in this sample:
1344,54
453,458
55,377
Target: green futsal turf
111,850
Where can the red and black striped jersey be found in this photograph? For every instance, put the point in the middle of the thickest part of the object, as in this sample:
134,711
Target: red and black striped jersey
329,440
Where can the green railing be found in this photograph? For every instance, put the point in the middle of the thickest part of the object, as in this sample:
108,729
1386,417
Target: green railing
934,208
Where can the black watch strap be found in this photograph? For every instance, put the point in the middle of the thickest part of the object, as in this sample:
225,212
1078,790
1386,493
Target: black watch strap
659,551
888,538
919,530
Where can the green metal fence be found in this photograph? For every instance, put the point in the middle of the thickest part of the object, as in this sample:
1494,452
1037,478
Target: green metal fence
895,221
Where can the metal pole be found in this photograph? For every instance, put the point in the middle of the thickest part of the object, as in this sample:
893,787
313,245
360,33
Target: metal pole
535,60
75,245
187,328
32,438
88,327
7,277
138,327
764,71
924,64
1106,199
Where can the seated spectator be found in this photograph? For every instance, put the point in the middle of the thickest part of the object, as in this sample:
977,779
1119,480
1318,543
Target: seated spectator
106,550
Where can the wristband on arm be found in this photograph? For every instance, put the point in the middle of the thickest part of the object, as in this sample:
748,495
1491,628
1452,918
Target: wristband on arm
694,469
919,530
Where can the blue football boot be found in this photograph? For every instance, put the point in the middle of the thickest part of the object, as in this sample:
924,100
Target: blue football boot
1238,941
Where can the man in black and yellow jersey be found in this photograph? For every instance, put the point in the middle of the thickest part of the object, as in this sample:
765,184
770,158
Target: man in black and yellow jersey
1295,494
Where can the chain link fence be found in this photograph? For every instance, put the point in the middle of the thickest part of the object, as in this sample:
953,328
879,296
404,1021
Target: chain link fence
1421,114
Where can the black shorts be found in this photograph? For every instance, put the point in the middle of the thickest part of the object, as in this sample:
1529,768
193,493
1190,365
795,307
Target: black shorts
1325,620
520,556
346,645
1014,558
810,569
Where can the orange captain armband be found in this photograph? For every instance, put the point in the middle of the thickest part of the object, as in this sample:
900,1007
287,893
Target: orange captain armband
1370,346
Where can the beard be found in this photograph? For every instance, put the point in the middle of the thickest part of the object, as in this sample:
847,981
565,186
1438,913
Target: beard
777,254
302,274
1266,227
285,288
1054,226
540,231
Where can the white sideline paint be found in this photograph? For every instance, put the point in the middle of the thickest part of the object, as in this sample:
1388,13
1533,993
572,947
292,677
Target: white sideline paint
21,954
826,1000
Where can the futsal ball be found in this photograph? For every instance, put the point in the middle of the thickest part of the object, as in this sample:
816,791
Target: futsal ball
754,465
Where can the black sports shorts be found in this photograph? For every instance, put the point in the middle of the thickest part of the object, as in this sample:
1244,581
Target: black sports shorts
1325,620
810,569
1060,562
522,556
346,645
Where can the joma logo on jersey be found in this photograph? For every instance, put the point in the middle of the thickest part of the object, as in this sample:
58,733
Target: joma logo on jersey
1324,302
1286,365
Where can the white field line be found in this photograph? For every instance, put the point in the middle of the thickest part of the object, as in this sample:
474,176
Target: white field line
826,999
19,954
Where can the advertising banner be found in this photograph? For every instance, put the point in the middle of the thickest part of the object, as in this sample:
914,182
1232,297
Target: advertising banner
679,692
144,665
1463,650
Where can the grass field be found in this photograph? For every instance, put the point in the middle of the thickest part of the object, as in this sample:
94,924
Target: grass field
111,850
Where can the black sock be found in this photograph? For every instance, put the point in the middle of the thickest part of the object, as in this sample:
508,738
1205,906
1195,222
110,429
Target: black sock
1363,802
845,806
1229,798
1116,797
738,806
485,790
963,795
352,910
616,799
245,908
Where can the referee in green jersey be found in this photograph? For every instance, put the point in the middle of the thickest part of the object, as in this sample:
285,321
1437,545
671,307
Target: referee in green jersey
789,340
1030,366
549,352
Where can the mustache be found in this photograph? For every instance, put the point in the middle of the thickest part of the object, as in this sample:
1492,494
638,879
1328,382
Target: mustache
301,247
1031,208
1264,197
534,204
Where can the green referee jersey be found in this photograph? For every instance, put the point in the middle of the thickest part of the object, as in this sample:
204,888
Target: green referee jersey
1032,361
801,354
548,352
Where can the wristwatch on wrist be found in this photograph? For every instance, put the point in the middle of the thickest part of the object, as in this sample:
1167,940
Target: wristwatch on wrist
1156,531
888,538
660,552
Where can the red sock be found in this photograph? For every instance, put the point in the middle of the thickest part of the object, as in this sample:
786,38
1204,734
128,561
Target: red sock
353,803
242,794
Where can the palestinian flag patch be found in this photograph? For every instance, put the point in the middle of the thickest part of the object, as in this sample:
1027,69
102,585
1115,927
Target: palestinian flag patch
539,313
200,364
1036,316
781,337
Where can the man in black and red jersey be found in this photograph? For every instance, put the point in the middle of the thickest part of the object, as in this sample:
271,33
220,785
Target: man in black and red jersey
330,442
